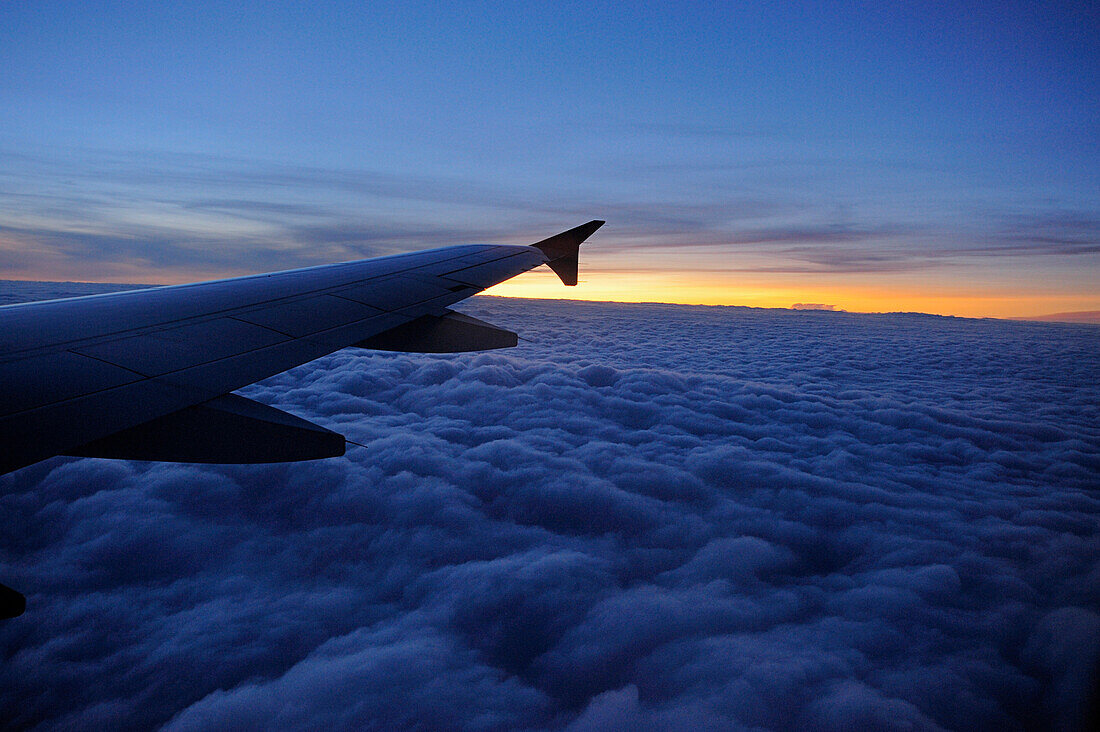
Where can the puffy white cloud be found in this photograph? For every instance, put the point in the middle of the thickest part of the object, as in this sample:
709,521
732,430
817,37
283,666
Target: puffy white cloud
647,517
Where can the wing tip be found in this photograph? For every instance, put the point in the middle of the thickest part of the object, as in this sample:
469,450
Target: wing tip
562,250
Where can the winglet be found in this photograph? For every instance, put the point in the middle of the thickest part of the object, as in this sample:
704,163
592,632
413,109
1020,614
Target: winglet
561,250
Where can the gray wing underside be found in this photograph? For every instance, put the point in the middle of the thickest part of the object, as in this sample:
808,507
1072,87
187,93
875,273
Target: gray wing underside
146,374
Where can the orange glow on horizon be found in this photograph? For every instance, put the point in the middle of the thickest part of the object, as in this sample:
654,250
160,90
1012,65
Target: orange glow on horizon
771,292
855,294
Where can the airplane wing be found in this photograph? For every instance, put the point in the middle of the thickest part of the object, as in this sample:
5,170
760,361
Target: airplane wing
147,374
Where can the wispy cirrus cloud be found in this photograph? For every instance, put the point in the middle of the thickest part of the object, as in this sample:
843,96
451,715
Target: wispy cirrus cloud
171,217
1054,232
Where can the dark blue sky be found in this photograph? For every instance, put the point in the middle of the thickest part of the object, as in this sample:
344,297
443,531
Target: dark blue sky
941,157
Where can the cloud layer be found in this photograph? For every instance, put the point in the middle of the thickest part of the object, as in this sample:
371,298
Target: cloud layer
175,217
644,517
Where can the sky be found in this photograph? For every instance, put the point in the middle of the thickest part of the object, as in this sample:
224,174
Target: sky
644,517
935,157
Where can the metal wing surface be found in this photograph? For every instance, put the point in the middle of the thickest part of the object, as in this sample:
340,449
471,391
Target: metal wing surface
147,374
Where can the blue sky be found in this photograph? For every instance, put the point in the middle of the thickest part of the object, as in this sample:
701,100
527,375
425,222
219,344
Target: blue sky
941,157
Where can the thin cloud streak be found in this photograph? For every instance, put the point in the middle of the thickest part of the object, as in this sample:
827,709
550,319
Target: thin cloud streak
178,217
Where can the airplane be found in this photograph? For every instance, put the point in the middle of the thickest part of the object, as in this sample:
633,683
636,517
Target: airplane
149,374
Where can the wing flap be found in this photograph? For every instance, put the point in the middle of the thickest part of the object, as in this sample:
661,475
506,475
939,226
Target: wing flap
27,437
228,429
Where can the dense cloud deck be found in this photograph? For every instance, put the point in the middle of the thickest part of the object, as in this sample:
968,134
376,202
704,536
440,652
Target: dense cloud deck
720,517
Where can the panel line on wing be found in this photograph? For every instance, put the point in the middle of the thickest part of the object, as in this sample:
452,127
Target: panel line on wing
110,363
168,349
265,327
56,377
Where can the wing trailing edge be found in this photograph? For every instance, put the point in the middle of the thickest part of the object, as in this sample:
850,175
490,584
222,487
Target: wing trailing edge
562,250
